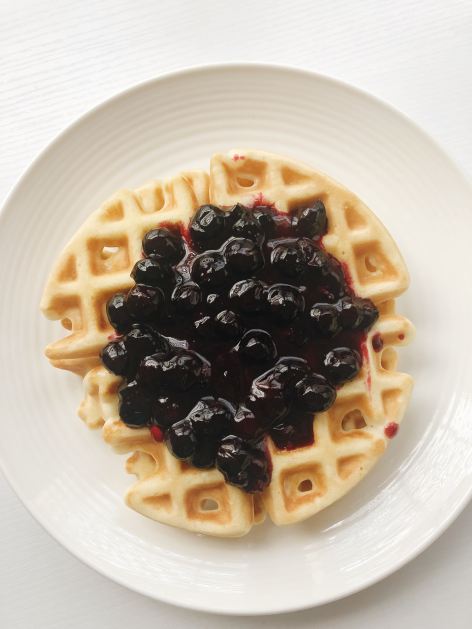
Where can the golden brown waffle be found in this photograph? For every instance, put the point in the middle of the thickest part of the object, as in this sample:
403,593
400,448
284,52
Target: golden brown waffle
98,260
349,437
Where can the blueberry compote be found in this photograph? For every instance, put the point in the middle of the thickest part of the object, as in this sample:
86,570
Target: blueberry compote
239,326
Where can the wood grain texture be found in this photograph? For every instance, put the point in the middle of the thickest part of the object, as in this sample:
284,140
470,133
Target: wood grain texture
57,60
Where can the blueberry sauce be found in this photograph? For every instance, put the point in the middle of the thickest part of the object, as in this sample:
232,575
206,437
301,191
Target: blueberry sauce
239,326
377,342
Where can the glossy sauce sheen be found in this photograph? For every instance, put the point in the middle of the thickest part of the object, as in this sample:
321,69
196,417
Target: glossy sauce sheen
231,377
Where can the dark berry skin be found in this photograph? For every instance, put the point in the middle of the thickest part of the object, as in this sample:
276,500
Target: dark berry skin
144,302
183,370
166,410
135,405
333,279
288,259
181,440
208,227
164,244
247,226
151,272
204,456
325,319
314,393
215,302
115,357
186,297
205,327
257,346
243,255
178,372
357,313
248,296
117,313
291,369
211,417
268,398
143,341
228,324
285,302
349,315
209,269
342,364
312,221
242,464
292,434
265,219
246,425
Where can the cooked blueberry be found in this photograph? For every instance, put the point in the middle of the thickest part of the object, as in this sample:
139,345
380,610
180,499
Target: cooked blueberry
214,302
245,424
164,244
315,393
211,417
357,313
291,369
209,269
242,464
342,364
118,314
312,220
248,295
143,341
293,433
234,213
228,324
186,297
368,313
325,319
144,302
268,399
166,410
135,405
151,272
208,226
243,255
115,357
257,346
263,215
149,371
307,248
205,326
247,226
288,259
333,278
318,263
204,456
180,439
285,302
349,314
184,369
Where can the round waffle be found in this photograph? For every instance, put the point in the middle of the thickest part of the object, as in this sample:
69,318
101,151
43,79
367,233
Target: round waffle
349,437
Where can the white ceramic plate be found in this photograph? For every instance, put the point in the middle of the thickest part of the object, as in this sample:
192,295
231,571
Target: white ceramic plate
74,484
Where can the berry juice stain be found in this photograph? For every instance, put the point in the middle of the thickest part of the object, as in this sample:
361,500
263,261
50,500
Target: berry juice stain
391,429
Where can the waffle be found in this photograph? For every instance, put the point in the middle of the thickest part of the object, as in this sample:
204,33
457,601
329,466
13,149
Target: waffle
349,437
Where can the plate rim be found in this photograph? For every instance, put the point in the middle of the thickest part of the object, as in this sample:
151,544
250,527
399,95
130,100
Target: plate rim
381,574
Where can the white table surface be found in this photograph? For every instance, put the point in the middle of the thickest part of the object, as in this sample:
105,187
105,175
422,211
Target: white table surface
59,59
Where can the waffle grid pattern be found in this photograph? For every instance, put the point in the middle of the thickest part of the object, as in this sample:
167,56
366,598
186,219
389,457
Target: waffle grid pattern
349,437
